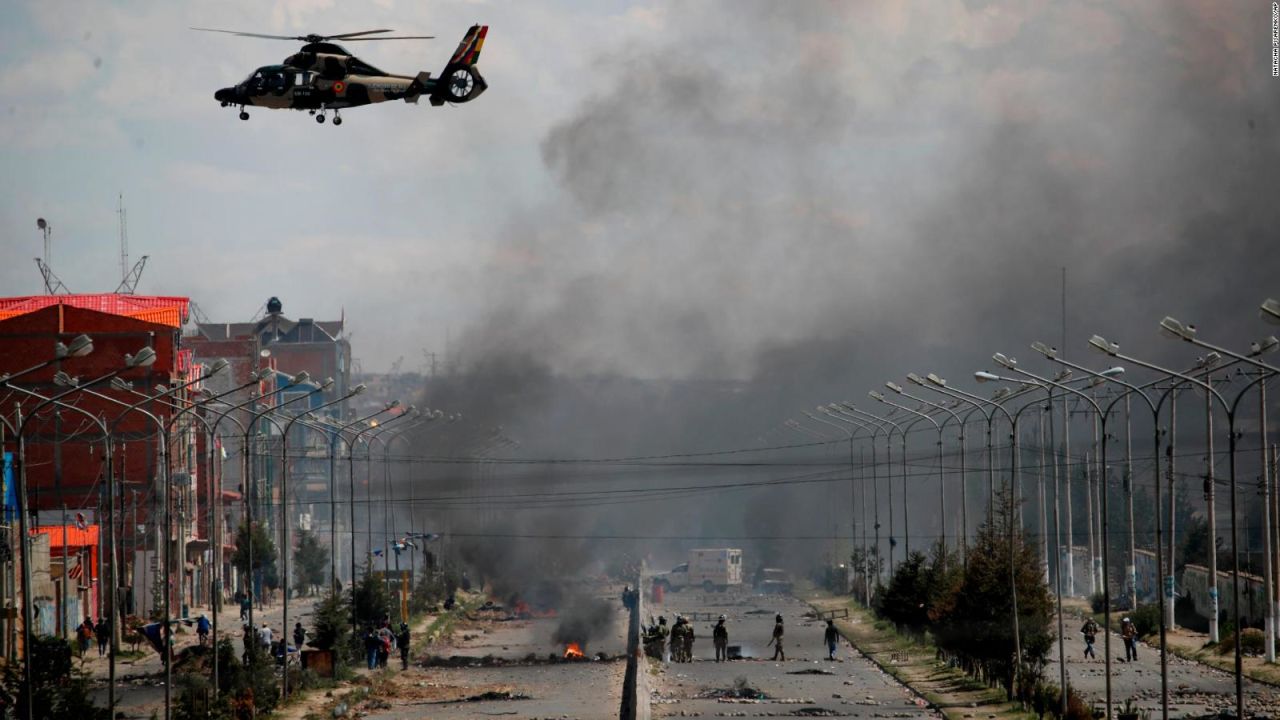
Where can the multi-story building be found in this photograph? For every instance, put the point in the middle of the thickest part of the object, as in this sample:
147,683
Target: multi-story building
66,464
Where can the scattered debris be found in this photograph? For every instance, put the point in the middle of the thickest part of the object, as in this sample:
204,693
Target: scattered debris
811,671
492,695
740,691
815,712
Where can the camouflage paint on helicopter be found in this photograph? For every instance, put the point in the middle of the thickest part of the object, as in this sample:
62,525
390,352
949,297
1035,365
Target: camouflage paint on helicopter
323,76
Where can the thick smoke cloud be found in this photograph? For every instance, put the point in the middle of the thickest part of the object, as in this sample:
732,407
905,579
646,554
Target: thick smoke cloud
809,199
911,175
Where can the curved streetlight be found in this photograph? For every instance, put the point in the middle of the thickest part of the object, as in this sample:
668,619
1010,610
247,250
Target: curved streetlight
1230,408
953,415
942,485
80,346
853,512
351,484
215,504
284,510
940,385
848,409
836,411
145,357
418,418
1012,365
250,476
163,477
867,562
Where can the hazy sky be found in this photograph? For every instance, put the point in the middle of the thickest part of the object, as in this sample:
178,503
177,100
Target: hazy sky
660,188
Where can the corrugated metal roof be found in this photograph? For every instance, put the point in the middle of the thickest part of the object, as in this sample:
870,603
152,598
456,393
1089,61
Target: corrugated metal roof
161,310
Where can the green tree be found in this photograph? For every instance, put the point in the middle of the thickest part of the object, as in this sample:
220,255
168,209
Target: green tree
331,622
263,554
978,627
311,564
60,691
369,597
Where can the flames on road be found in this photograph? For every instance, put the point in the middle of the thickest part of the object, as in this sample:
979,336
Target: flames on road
573,651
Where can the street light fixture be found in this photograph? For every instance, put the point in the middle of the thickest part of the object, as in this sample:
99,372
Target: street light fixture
1270,311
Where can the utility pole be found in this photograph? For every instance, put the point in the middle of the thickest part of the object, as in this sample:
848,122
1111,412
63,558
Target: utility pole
1173,511
1209,492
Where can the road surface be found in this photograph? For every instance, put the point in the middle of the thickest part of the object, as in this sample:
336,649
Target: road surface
805,685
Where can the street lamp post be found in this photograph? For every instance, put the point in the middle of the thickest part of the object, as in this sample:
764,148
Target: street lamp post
248,472
869,560
168,538
144,358
849,408
1171,326
853,530
942,486
351,484
1012,364
387,525
284,516
964,510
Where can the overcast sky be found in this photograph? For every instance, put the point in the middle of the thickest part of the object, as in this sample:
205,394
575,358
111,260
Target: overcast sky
665,189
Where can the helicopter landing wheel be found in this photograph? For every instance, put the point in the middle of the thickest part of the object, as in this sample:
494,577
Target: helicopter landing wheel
320,118
244,115
337,120
224,103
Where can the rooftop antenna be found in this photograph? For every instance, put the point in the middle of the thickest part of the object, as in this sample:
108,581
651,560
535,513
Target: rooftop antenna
129,278
52,284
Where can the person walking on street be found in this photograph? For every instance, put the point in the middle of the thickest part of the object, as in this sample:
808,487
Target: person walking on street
299,636
371,645
103,632
832,638
720,638
264,637
385,640
402,641
84,635
776,642
1129,633
1090,632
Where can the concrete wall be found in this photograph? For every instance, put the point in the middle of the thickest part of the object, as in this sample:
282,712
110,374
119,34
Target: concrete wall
1195,584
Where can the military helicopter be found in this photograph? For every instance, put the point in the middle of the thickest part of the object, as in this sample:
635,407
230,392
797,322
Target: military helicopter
323,76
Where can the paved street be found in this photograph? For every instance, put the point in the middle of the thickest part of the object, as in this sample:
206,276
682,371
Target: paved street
1194,688
806,684
494,666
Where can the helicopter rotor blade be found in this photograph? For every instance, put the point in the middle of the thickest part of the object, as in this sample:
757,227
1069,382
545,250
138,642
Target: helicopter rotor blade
248,34
399,37
344,36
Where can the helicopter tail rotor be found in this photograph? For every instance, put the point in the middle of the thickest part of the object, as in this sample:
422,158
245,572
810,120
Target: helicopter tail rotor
461,82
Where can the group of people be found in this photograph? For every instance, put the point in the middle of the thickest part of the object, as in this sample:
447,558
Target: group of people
682,636
1128,633
265,638
380,641
88,630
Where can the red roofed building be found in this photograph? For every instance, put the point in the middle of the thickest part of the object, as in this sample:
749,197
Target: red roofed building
65,463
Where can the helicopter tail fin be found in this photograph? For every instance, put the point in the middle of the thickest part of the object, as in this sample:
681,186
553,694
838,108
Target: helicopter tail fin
461,82
468,52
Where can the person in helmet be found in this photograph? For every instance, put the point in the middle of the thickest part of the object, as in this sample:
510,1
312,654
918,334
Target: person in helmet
776,642
720,638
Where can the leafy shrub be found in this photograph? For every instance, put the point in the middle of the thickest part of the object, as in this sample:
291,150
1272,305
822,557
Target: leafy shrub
1146,619
1252,642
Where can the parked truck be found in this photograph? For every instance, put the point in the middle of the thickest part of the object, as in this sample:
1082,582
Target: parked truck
708,568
